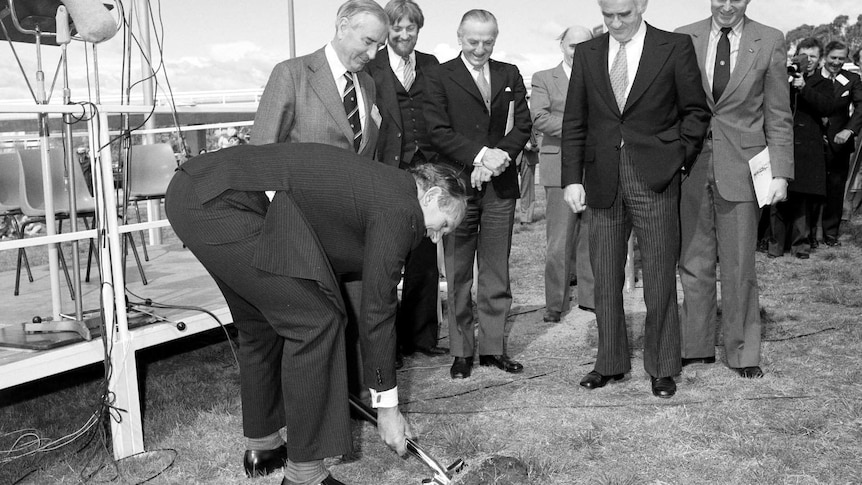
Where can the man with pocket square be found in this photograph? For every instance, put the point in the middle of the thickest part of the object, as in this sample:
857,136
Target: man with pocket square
478,120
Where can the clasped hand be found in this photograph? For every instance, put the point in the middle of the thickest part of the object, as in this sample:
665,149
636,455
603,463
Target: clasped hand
495,160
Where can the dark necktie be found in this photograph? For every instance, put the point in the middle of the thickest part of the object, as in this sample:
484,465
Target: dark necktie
352,109
721,73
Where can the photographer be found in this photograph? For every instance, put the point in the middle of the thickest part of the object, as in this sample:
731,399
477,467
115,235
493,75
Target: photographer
811,100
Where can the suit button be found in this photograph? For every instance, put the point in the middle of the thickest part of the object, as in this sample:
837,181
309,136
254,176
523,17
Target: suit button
396,158
399,135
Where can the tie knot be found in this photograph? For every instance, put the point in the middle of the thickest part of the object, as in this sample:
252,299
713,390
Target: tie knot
406,60
479,68
349,76
725,31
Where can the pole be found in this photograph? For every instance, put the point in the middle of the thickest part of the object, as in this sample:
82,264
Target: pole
291,20
153,207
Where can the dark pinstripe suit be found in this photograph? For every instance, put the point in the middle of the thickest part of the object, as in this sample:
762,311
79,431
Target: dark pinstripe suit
336,215
634,184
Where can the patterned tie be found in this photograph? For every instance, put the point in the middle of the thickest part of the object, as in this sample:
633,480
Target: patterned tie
483,86
620,76
721,72
409,74
352,109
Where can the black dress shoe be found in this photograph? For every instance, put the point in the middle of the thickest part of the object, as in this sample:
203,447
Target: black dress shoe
258,463
754,372
594,380
502,362
698,360
663,387
326,481
434,351
587,309
802,256
461,368
831,242
552,316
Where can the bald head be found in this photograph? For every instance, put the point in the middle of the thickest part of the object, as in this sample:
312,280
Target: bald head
571,37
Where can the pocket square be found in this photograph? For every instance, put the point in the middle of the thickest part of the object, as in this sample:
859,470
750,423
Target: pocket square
375,115
845,93
508,89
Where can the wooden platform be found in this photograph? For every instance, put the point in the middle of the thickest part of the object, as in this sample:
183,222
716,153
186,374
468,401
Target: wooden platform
174,277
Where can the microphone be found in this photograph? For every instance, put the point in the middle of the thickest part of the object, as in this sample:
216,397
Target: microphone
92,20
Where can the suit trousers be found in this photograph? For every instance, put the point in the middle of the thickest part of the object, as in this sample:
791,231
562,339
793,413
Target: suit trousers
291,332
655,219
791,218
416,321
486,235
717,231
837,168
567,254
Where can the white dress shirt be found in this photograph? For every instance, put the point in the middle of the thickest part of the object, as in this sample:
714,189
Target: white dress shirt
338,71
474,73
396,62
634,50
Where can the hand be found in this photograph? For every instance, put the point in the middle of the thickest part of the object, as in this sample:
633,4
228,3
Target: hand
798,82
842,136
393,429
777,191
479,176
495,160
575,196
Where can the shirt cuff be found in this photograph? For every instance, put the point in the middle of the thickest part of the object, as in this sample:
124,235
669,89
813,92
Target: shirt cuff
384,399
477,162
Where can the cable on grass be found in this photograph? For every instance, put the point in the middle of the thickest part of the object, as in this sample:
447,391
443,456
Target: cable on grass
602,406
477,389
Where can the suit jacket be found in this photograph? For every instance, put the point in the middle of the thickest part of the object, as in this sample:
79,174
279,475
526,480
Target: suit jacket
301,103
663,122
460,125
547,101
845,94
335,213
809,105
754,110
390,141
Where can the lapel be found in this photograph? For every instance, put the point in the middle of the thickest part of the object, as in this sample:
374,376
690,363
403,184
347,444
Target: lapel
658,50
499,79
461,77
749,51
560,81
597,55
323,84
700,39
386,95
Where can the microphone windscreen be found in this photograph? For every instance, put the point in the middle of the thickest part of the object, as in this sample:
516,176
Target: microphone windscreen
92,20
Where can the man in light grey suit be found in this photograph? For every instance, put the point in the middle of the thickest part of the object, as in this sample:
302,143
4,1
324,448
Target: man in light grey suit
304,99
568,244
745,79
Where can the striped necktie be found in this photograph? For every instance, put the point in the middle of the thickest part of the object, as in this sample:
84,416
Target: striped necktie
409,73
620,76
351,107
483,86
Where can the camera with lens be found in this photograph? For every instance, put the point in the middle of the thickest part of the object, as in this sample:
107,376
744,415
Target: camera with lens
798,65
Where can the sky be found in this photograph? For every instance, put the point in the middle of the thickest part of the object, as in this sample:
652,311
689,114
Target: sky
226,45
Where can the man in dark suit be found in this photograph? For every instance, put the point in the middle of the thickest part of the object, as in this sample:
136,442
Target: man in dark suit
566,232
324,97
841,130
278,265
479,121
744,76
635,118
810,100
399,73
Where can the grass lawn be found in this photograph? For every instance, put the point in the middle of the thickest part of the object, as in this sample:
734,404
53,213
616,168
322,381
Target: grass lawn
800,424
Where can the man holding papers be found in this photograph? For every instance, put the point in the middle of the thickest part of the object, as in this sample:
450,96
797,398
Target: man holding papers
745,78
